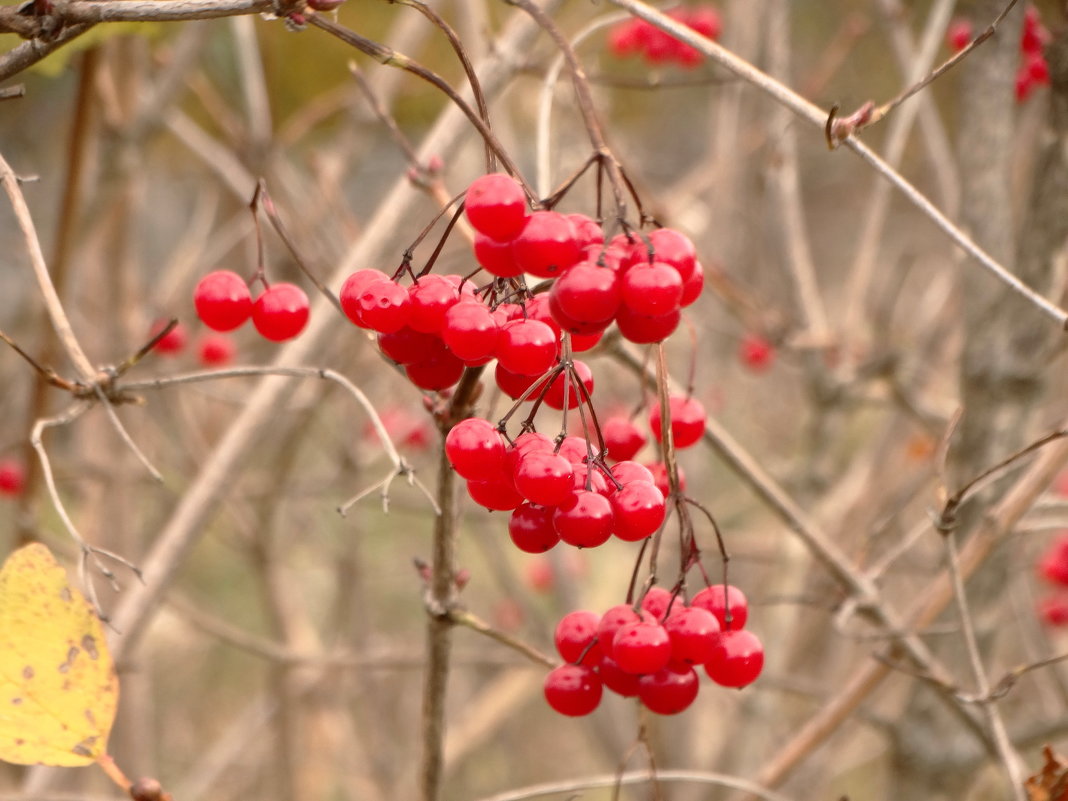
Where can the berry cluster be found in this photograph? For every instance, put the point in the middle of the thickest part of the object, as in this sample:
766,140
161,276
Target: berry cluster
212,350
1053,567
637,37
1033,70
223,302
651,652
443,323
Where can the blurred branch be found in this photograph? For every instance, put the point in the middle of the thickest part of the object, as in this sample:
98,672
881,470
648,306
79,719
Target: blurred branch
573,786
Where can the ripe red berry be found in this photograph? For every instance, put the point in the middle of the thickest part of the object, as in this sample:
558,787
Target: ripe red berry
215,350
644,329
554,397
1053,565
531,528
692,286
173,342
573,690
613,620
652,289
12,477
687,420
429,299
669,690
408,346
675,249
475,449
576,636
1053,609
756,353
349,296
622,438
470,330
222,300
616,680
496,206
587,294
626,471
656,602
498,494
660,477
584,519
737,660
543,477
642,647
384,306
437,372
639,510
526,347
574,449
692,631
717,600
958,34
495,257
280,312
547,246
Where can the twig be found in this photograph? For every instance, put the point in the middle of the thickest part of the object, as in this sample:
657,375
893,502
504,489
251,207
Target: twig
637,777
27,54
125,435
464,618
818,118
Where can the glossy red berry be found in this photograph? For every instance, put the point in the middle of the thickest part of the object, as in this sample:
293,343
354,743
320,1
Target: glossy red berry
660,477
216,350
584,519
495,257
642,647
692,286
280,312
737,659
656,602
613,620
616,680
622,438
429,299
670,690
496,206
12,477
498,494
475,449
573,690
639,510
644,329
349,296
958,34
470,330
687,420
692,631
222,300
717,600
531,528
587,294
547,246
576,636
438,372
408,346
544,477
1053,564
674,248
626,471
384,306
652,289
526,347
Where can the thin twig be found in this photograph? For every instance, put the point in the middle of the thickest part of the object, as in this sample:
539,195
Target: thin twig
573,786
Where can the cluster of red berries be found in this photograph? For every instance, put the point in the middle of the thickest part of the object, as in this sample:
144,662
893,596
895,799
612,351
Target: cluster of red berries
554,494
651,652
212,350
1053,567
12,477
223,302
637,37
1034,69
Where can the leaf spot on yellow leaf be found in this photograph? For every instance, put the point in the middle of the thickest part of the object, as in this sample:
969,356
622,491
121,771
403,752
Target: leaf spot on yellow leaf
85,747
89,644
27,673
65,595
72,653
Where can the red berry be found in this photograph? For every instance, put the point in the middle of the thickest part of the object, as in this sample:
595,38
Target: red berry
573,690
622,438
639,510
325,5
515,385
660,477
215,350
1053,566
626,471
958,34
222,300
384,306
644,329
438,372
280,312
470,330
585,334
498,494
687,420
576,636
626,38
656,602
587,293
527,347
588,232
574,449
616,680
429,299
652,289
716,601
349,296
642,647
1053,610
12,477
496,206
475,449
692,286
669,690
756,352
737,659
495,257
584,519
691,629
173,342
1038,68
675,249
613,620
544,478
408,346
547,246
531,528
554,397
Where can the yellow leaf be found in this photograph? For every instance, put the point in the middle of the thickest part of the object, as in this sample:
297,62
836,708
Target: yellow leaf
58,689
